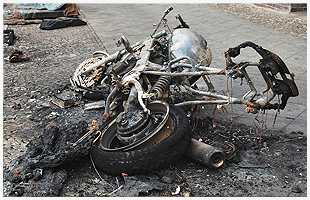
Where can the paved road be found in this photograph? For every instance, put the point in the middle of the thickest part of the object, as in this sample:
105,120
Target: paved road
222,31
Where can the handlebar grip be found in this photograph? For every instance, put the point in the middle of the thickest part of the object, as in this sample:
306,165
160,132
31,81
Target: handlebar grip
168,10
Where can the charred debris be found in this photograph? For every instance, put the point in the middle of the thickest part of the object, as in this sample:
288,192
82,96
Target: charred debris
42,170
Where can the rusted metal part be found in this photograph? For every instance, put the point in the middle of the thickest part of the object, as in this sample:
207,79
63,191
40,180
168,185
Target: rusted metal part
200,102
107,104
182,22
102,62
270,66
225,99
105,116
250,109
94,105
205,154
183,57
81,79
287,77
199,73
93,128
264,99
139,89
161,135
131,125
161,85
207,80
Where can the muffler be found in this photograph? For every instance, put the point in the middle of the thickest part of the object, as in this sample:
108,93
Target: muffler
205,154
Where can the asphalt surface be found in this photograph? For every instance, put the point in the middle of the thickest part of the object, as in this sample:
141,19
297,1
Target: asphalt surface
222,31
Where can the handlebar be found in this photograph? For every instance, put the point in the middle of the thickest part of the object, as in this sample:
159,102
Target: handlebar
162,18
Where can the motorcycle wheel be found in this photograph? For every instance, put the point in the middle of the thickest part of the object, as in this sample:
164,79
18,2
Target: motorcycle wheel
150,158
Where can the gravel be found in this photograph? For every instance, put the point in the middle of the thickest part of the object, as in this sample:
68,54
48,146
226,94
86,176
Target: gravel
291,23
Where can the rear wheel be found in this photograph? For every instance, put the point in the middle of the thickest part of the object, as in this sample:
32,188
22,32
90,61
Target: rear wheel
166,146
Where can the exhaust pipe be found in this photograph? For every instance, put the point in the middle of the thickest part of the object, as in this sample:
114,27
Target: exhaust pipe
205,154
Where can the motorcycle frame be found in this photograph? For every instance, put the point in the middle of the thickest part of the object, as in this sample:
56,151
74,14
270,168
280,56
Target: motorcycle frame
145,67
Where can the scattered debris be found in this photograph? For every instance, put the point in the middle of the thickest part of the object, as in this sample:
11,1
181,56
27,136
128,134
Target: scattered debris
95,105
8,36
139,185
45,154
18,56
67,98
177,191
61,22
251,159
45,10
186,194
50,15
17,19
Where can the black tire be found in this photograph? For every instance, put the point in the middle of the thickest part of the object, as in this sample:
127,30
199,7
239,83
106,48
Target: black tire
151,158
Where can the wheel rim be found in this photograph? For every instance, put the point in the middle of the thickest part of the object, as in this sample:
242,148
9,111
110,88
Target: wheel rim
110,142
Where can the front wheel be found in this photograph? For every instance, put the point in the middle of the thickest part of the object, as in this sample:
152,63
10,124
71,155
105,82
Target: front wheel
146,158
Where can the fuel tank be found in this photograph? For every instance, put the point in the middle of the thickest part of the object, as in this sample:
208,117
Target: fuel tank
186,42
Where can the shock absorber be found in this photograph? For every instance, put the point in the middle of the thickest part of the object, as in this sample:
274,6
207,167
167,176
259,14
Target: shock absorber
160,87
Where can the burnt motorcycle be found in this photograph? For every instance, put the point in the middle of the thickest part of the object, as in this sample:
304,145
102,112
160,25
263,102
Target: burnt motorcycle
146,85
